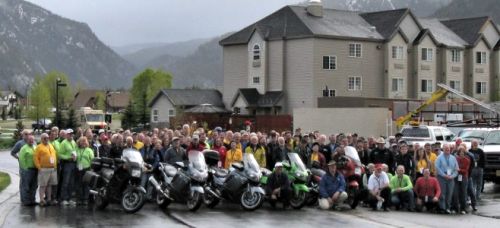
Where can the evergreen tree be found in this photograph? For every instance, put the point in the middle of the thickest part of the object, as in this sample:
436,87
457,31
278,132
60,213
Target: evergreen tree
71,121
4,114
128,118
17,134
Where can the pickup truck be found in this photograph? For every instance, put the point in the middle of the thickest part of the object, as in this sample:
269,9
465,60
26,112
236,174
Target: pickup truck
422,134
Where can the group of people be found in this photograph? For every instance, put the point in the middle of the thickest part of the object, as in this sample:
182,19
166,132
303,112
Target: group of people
425,177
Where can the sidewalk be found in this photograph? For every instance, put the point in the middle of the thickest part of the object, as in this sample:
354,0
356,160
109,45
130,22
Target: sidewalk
9,198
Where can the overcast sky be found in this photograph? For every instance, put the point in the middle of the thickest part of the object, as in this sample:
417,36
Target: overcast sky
123,22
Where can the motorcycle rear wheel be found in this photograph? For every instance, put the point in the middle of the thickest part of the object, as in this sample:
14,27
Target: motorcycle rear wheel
194,201
133,200
299,200
251,201
100,203
353,199
210,200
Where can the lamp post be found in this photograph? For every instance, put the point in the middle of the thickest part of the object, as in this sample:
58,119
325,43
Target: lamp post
58,115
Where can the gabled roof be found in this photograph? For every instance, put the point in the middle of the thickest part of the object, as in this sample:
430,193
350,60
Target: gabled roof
467,28
83,97
190,97
386,22
118,99
292,22
497,47
256,100
206,108
443,35
421,36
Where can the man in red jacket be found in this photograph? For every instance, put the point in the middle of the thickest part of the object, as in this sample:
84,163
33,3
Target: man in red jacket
428,192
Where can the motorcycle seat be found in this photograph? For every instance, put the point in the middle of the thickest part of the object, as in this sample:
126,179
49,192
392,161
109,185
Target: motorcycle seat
221,172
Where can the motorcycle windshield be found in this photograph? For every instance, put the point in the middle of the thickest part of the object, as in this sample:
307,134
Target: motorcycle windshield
197,160
297,162
250,164
352,153
132,156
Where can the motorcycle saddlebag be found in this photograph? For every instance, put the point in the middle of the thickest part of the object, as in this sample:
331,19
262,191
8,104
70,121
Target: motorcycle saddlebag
211,157
92,179
234,182
180,182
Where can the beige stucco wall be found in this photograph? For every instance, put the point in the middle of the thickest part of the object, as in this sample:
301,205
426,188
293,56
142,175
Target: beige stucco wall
257,68
409,27
275,65
491,34
495,76
369,67
481,72
364,121
453,71
396,68
163,106
235,62
425,69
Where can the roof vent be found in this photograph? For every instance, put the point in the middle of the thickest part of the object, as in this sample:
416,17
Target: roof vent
373,29
315,8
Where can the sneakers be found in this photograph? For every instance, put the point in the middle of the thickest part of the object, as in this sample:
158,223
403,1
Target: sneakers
474,208
463,212
65,203
447,211
72,203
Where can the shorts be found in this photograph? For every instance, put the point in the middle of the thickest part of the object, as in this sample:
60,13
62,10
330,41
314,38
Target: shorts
47,176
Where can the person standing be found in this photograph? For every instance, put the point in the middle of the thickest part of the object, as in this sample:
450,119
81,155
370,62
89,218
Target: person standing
332,188
84,156
316,157
477,172
175,153
45,159
447,170
258,151
428,191
233,155
67,157
382,155
462,178
405,159
221,149
28,183
19,144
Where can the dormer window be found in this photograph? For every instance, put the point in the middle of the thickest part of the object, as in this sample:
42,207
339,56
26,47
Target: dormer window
256,52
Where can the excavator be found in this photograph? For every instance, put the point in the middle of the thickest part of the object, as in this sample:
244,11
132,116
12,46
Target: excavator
441,92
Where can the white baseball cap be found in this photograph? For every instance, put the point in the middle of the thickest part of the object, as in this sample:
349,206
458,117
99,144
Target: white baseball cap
69,131
278,164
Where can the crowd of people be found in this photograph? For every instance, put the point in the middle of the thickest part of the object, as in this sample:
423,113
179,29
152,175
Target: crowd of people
439,178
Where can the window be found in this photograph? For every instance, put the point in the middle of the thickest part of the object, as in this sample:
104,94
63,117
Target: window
426,86
397,52
256,52
355,50
329,62
171,112
256,80
481,87
354,83
397,84
237,110
481,57
456,55
455,85
331,93
427,54
155,115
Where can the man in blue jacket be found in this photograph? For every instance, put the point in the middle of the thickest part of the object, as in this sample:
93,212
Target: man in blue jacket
447,170
332,188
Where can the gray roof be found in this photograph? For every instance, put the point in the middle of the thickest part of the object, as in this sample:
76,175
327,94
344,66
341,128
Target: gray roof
443,35
206,108
497,47
467,28
190,97
292,22
386,22
255,99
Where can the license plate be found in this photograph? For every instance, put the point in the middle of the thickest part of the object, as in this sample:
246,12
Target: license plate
498,173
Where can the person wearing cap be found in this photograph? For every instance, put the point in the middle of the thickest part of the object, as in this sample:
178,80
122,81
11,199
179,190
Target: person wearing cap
428,191
447,170
45,159
175,153
381,154
402,190
379,190
316,157
67,157
332,188
405,159
196,144
105,147
278,186
28,174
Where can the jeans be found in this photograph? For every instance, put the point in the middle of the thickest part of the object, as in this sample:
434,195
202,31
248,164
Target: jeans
82,189
461,193
446,192
429,204
68,170
471,192
399,199
28,185
146,185
477,181
385,194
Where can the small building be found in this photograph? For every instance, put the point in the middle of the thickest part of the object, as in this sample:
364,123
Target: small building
115,101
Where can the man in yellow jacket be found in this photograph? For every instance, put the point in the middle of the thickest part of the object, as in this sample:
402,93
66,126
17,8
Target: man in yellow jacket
45,159
257,150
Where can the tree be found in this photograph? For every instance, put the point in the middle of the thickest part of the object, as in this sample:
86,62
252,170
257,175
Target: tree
4,113
144,87
128,118
65,93
17,134
71,121
100,100
40,100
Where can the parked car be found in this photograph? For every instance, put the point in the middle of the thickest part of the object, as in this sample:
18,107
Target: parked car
42,124
423,134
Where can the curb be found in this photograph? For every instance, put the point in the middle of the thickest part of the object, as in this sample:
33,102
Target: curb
11,190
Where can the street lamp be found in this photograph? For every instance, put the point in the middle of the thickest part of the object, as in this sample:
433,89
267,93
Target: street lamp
58,115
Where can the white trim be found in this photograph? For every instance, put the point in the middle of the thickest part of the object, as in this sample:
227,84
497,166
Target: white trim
355,50
429,86
355,83
329,62
398,89
484,87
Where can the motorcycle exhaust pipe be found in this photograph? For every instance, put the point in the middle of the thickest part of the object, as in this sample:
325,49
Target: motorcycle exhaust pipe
213,193
93,192
153,181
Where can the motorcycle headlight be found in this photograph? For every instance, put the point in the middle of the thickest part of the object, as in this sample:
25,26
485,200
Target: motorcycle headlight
254,177
200,176
136,173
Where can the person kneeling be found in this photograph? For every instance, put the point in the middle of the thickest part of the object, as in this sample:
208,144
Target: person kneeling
428,192
279,186
378,186
402,190
332,188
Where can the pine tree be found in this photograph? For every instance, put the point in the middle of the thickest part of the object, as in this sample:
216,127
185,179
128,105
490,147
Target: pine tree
17,134
71,120
4,114
128,118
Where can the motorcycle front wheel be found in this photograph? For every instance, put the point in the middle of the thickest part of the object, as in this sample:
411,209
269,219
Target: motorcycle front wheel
210,200
162,201
133,200
298,200
251,201
100,202
194,200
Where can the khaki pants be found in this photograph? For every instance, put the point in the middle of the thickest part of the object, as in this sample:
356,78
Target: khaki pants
326,203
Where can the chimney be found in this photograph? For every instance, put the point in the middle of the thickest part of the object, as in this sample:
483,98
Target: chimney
315,8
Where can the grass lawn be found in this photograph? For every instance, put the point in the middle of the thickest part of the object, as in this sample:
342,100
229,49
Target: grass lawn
4,181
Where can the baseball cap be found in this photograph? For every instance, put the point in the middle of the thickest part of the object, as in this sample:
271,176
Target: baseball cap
69,131
278,164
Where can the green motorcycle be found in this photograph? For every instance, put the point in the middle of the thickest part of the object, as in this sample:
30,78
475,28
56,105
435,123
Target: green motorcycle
298,176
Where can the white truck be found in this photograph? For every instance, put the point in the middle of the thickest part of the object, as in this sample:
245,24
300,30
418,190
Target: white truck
421,134
90,118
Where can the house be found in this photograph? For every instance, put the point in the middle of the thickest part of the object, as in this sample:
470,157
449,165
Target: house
301,53
11,99
115,101
172,102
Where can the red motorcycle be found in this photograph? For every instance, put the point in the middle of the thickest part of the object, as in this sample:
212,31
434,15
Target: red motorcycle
350,166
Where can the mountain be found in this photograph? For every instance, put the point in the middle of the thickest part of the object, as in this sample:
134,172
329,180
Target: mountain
180,49
202,68
471,8
34,41
421,8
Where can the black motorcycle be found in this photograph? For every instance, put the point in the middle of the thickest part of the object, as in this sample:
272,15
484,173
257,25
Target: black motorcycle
118,181
240,185
181,182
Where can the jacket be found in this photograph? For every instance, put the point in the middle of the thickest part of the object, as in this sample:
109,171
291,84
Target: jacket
404,183
172,156
321,160
222,154
84,157
278,181
26,157
463,165
384,156
427,187
233,156
479,157
259,153
45,156
329,184
445,163
66,148
150,155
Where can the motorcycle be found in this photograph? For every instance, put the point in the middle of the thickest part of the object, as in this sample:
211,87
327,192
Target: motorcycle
240,185
118,181
181,183
298,176
350,166
313,184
